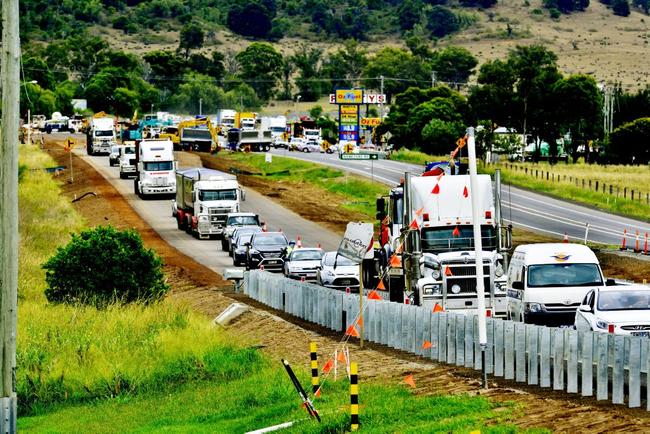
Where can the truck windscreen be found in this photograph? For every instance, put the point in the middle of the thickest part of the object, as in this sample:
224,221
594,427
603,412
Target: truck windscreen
103,133
443,239
153,166
218,194
554,275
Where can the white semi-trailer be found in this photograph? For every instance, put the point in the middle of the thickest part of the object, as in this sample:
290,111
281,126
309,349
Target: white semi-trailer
203,200
101,136
155,167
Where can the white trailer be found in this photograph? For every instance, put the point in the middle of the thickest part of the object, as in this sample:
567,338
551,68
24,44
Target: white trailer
155,168
204,199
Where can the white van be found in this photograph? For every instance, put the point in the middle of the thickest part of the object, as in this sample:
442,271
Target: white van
547,282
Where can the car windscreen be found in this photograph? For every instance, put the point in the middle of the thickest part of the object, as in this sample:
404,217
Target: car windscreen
242,220
456,238
230,194
554,275
244,238
330,258
152,166
270,239
306,255
624,300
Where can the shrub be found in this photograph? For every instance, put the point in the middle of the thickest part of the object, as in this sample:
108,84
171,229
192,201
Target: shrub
102,266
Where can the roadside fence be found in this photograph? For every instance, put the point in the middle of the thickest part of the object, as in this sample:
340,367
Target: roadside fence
595,185
603,365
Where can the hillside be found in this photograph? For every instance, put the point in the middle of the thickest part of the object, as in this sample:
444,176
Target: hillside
595,42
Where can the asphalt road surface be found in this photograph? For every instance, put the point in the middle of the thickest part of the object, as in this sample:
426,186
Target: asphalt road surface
157,213
524,209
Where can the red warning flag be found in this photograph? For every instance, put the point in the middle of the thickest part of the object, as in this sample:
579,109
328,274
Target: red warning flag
395,261
465,192
414,224
328,366
436,189
426,345
352,331
448,271
360,321
409,380
317,394
386,221
372,295
419,212
456,232
381,286
341,357
437,308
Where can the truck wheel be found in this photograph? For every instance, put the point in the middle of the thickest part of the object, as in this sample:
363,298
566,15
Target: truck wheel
180,223
188,227
122,175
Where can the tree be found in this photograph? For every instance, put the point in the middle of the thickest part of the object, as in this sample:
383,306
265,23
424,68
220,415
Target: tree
441,21
345,66
580,105
453,64
307,60
101,266
409,13
250,19
262,66
101,87
494,98
629,142
164,66
125,101
621,8
400,68
197,87
440,136
192,36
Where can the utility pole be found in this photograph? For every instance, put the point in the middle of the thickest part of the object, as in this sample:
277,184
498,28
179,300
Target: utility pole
200,106
9,80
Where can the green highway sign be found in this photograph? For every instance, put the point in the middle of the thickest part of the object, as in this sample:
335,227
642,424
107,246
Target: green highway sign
346,156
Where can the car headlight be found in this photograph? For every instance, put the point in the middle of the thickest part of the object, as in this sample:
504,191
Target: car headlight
602,324
498,271
534,307
455,288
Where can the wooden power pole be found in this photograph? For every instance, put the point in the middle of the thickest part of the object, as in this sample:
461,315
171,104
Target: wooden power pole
10,79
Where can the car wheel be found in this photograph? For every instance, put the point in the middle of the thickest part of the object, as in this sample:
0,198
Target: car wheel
305,150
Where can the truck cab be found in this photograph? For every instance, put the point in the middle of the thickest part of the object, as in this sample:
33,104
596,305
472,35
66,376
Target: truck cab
127,160
101,136
155,168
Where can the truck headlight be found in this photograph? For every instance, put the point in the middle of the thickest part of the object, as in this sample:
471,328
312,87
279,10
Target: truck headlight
534,307
432,290
435,273
498,271
204,218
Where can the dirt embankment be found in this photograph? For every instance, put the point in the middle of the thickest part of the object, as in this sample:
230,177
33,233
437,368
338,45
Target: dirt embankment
282,336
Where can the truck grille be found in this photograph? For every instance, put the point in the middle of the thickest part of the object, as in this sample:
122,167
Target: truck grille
636,327
467,270
467,285
160,182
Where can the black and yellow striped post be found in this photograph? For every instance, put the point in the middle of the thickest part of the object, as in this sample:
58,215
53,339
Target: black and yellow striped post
315,381
354,397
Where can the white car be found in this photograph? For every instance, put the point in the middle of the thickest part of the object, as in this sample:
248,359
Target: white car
310,146
620,309
127,161
114,156
303,262
338,272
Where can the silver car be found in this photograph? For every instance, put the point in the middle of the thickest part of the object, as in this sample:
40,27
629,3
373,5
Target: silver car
303,262
114,156
338,272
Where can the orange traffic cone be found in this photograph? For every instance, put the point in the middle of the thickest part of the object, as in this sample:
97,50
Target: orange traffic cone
623,244
636,243
298,242
264,229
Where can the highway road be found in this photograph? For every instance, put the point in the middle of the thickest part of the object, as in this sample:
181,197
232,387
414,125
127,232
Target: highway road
522,208
157,213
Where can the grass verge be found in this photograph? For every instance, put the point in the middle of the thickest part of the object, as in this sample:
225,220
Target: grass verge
415,157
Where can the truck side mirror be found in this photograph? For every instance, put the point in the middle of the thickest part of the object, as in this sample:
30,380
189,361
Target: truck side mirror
380,206
517,284
610,282
176,165
243,195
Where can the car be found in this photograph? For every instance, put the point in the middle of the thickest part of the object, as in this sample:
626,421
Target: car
338,272
294,142
114,156
308,146
266,249
331,149
617,309
235,220
368,146
280,143
303,262
234,239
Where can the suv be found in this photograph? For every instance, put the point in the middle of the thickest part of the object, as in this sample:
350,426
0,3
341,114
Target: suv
114,156
235,220
266,249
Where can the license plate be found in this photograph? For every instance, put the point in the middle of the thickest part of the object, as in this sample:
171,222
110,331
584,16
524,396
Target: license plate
641,334
395,271
271,262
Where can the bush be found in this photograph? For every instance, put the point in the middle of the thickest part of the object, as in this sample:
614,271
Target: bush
102,266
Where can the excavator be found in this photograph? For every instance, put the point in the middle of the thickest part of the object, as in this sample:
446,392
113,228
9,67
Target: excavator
193,135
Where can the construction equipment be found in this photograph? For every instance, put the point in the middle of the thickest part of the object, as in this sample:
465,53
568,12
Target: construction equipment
197,135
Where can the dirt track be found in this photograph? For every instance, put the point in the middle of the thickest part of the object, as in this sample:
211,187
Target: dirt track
283,336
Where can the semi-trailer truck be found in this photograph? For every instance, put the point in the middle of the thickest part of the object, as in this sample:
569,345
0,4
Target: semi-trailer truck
155,167
101,136
204,198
